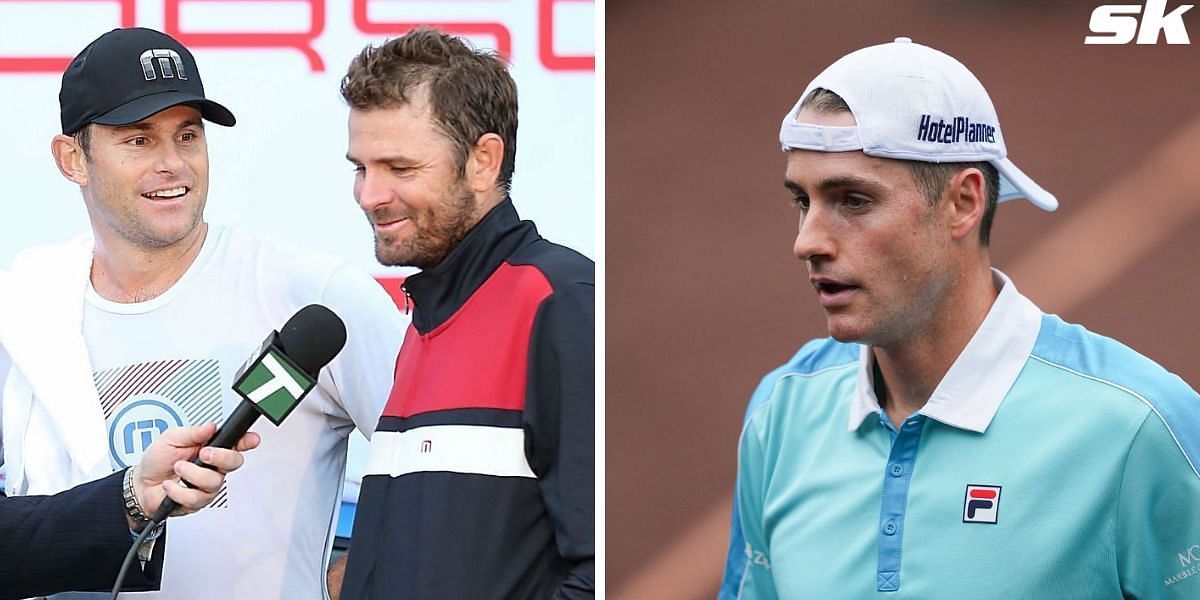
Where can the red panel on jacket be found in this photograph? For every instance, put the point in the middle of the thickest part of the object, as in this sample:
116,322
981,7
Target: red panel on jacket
479,356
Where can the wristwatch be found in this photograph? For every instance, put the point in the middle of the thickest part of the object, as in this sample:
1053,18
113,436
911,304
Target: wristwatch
134,508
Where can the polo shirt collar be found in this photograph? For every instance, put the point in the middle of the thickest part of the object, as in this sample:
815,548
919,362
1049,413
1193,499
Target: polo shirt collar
972,390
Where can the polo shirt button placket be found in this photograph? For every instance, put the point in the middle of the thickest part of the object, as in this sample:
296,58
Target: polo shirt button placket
898,473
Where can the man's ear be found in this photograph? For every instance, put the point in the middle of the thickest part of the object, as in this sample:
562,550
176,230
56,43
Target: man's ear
968,202
483,162
69,157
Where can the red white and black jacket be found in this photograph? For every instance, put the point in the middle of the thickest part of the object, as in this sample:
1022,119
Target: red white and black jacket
480,482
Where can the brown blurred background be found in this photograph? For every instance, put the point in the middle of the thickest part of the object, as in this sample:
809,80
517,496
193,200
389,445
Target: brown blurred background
704,296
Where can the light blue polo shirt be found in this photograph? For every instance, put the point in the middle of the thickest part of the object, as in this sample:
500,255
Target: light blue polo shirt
1050,462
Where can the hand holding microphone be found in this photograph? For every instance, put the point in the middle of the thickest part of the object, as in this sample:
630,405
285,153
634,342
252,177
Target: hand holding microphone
167,459
272,383
277,377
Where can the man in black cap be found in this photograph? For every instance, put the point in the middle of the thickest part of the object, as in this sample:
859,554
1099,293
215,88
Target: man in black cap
168,308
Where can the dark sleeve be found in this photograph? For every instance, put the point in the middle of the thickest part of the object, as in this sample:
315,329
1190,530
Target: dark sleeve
561,416
74,540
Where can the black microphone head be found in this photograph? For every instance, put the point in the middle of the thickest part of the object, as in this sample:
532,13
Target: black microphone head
312,337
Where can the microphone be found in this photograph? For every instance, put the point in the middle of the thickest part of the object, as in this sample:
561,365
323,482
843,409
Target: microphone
277,377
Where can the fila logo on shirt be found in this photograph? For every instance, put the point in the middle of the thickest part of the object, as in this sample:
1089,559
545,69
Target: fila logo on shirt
982,504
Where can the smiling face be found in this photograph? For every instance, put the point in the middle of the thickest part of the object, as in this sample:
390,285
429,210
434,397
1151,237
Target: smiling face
145,184
877,252
408,184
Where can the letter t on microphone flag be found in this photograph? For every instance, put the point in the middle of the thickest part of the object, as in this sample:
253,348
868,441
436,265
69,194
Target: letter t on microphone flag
274,384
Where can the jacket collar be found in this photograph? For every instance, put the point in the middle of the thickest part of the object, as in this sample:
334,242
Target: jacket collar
439,292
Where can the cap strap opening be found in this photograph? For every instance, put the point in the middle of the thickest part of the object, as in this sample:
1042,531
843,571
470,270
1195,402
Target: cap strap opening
822,138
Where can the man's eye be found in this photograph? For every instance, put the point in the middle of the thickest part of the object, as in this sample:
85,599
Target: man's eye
139,141
187,136
855,202
800,202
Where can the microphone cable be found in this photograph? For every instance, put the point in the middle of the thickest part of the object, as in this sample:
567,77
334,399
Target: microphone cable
129,556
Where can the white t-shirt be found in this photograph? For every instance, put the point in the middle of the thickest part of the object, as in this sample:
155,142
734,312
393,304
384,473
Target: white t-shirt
171,361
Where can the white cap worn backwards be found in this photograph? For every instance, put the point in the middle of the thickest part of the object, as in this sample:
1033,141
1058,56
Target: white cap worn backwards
912,102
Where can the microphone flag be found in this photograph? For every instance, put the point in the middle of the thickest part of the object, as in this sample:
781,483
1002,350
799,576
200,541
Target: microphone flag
272,382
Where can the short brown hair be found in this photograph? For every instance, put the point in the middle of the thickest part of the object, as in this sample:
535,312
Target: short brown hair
470,91
932,178
83,137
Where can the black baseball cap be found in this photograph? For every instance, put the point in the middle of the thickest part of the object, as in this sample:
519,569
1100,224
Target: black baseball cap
129,74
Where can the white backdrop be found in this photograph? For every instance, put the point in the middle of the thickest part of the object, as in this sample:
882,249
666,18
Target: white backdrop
281,171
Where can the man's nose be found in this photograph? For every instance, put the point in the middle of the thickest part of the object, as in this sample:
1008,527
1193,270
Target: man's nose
371,191
814,239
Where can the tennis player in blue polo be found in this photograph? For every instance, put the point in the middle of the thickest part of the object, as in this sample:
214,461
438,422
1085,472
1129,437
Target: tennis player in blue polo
950,440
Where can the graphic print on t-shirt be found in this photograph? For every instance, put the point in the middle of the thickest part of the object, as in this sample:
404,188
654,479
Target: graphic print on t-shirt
143,400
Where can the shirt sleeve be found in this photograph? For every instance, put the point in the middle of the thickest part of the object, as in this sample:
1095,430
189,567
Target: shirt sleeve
560,416
756,580
736,559
360,377
1158,517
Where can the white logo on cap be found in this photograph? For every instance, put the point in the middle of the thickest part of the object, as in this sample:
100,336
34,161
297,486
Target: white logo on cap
164,60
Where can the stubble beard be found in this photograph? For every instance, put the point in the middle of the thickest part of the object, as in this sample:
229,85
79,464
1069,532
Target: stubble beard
437,232
143,235
138,230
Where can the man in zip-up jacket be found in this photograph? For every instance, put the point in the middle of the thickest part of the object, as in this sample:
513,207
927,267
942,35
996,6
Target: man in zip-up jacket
480,481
